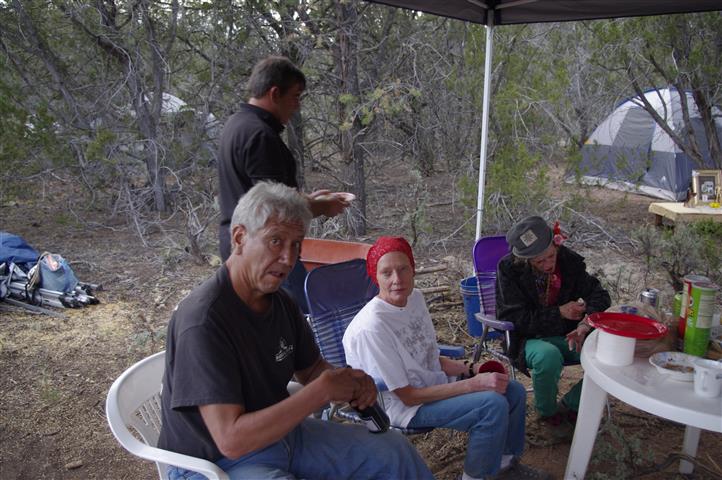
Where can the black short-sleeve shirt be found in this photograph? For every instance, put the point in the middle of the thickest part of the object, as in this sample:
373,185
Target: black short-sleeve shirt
219,351
250,150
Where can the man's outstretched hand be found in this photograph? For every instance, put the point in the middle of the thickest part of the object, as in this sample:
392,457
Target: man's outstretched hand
325,202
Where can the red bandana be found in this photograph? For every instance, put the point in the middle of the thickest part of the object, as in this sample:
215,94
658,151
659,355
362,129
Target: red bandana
383,246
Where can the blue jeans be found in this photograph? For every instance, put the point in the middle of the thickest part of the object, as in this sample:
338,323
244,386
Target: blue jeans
545,358
495,424
317,449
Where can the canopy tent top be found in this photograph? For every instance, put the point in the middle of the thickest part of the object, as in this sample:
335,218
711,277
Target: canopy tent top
511,12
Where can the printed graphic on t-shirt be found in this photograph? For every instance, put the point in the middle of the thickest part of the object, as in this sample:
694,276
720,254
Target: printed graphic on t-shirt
417,341
284,350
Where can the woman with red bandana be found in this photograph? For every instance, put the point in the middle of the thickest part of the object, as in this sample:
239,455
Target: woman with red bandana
393,339
543,288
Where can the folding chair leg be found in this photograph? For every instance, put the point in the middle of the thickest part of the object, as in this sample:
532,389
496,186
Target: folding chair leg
481,345
477,351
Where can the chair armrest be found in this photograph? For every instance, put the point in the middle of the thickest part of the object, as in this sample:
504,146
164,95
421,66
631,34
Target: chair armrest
209,469
140,449
492,322
380,385
451,351
155,454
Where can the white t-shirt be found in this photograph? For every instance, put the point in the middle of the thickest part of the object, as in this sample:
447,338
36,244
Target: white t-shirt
397,345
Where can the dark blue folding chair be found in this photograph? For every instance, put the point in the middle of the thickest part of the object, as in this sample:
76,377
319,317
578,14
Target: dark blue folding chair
335,294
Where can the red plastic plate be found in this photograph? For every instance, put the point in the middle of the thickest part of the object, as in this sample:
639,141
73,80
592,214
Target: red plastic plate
627,325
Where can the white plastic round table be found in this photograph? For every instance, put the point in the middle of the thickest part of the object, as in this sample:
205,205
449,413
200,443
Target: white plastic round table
642,386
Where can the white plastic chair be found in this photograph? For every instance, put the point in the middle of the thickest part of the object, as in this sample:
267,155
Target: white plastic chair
134,401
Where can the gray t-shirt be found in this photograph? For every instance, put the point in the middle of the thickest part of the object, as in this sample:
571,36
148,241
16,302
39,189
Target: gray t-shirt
219,351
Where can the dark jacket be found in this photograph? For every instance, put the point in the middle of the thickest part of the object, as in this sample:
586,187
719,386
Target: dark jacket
517,300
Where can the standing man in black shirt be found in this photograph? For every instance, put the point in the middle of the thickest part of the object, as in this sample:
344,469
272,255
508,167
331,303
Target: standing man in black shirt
251,150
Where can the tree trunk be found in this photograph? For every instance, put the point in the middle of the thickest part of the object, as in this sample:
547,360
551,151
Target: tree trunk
710,130
297,147
127,49
295,126
351,133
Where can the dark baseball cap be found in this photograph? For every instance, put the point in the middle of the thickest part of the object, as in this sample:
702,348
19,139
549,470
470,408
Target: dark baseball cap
529,237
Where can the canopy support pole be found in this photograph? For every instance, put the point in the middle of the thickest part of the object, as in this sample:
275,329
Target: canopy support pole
485,121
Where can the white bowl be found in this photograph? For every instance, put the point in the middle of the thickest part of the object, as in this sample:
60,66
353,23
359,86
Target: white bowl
677,365
345,196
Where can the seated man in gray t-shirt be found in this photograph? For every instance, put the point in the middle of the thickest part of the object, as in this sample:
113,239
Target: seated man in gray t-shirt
233,345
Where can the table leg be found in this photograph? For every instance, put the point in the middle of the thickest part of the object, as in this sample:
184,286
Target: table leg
689,447
591,406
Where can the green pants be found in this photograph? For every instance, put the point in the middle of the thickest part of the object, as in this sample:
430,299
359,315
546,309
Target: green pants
545,358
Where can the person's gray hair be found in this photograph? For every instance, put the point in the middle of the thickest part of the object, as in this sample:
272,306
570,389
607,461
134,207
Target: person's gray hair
268,200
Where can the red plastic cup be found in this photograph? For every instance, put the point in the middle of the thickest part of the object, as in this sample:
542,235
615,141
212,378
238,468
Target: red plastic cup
492,366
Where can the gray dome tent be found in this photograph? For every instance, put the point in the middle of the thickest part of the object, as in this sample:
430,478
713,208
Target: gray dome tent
630,151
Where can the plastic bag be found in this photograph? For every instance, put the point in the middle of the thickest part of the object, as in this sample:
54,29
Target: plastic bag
56,274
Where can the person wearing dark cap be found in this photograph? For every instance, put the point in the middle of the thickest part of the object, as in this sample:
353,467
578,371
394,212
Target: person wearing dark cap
393,339
544,289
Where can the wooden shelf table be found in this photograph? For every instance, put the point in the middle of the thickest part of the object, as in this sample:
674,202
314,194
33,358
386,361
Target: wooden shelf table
677,212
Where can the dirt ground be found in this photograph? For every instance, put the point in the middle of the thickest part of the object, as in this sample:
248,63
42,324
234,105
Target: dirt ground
55,373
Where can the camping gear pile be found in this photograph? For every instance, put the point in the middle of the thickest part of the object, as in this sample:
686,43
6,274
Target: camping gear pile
34,281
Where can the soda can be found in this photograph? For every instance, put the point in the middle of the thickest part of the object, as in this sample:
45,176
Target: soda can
699,318
649,296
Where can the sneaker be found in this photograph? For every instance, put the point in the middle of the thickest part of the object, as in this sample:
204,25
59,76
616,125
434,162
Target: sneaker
519,471
556,427
569,415
553,420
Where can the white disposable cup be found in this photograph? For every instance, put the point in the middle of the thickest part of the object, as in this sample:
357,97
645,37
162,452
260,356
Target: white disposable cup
615,349
707,377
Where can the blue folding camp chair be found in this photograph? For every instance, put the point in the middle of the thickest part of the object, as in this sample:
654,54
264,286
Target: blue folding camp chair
335,294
